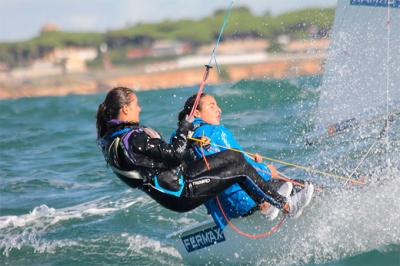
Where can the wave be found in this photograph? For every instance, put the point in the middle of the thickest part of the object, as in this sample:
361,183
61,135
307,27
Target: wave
28,229
147,246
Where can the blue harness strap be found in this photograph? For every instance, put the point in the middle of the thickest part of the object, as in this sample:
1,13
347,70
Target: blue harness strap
120,132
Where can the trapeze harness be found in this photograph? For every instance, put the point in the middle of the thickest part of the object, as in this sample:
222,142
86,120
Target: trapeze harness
137,170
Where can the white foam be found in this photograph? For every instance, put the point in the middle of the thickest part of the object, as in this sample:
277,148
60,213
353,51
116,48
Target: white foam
186,221
183,220
28,229
43,215
31,238
147,246
344,223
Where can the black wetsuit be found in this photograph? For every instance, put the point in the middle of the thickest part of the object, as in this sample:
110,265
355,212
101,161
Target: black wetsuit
165,176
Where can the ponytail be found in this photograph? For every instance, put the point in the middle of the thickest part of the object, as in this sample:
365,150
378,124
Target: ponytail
109,109
187,108
101,120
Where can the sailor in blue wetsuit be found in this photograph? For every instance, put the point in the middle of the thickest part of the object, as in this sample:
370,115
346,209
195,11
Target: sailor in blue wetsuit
235,201
168,172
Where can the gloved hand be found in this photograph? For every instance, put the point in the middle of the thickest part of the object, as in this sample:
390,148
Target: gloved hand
186,124
189,119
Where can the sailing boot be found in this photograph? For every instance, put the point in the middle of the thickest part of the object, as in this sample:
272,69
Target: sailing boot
272,212
300,200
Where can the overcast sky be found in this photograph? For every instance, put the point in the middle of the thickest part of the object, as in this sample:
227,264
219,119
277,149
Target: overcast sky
22,19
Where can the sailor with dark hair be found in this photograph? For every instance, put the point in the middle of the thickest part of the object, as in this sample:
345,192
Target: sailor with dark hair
235,201
141,159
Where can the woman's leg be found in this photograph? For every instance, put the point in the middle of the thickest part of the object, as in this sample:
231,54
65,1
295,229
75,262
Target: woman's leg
227,168
196,192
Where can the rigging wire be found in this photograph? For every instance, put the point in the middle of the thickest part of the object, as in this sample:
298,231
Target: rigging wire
212,57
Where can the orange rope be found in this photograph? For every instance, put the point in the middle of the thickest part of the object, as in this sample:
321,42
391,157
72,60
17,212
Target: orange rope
237,230
205,160
204,156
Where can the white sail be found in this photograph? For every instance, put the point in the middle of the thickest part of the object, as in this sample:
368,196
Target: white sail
362,72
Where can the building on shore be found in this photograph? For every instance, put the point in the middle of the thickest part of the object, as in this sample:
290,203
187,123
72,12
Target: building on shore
60,61
72,59
170,48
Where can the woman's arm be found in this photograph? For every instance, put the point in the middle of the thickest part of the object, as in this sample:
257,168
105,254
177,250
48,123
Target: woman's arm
156,148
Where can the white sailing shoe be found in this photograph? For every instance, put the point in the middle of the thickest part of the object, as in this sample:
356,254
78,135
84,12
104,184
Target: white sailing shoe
300,200
272,212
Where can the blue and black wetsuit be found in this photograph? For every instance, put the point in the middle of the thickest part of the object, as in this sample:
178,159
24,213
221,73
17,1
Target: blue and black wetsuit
235,201
141,159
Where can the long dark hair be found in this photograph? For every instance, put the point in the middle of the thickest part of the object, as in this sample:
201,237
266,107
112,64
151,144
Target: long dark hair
109,109
187,108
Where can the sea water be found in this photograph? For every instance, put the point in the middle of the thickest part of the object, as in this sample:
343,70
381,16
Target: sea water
61,205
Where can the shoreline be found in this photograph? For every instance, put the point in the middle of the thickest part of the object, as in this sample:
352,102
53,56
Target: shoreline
276,67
